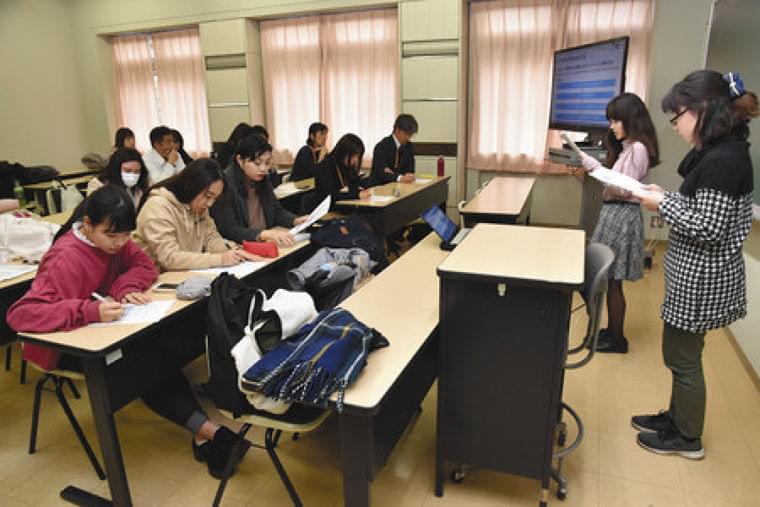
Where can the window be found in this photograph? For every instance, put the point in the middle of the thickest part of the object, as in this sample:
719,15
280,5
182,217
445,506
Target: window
159,81
512,43
341,69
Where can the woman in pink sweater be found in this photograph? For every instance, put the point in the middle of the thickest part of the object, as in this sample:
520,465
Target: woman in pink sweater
93,253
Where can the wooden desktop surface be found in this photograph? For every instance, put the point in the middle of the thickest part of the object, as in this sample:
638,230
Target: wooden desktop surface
388,189
504,195
401,303
95,339
525,253
45,185
71,172
294,187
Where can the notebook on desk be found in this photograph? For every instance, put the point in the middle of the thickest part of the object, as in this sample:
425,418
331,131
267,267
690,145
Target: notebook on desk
446,229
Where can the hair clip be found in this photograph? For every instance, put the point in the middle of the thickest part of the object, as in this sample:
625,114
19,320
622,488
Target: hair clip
735,84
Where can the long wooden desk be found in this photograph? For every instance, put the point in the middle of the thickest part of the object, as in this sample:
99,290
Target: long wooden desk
504,320
408,201
292,193
505,200
121,362
388,393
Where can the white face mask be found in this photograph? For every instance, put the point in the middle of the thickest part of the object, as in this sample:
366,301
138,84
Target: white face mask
130,179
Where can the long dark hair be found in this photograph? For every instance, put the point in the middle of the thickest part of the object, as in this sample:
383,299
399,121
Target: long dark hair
186,158
191,181
314,129
109,204
252,147
112,172
706,93
122,135
631,111
348,145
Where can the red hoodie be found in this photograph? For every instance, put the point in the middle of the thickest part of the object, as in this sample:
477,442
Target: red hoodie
59,299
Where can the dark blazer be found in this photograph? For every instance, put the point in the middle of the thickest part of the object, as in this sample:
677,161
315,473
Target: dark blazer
304,164
384,155
231,210
329,179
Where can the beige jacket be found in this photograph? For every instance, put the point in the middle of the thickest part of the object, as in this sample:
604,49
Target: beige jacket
175,237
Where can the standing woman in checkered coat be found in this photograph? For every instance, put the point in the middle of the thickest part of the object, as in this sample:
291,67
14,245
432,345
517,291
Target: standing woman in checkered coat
709,219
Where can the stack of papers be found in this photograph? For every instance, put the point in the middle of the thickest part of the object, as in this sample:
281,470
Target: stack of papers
381,198
619,180
9,271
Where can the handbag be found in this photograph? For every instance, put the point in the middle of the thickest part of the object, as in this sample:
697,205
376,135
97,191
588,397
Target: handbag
62,197
25,238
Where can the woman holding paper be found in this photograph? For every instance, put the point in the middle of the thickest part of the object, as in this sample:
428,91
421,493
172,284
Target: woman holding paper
631,150
248,210
709,217
93,254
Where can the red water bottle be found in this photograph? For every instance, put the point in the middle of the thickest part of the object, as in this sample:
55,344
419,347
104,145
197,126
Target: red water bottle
440,166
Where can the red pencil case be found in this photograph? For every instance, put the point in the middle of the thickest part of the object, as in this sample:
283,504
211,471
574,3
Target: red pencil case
262,248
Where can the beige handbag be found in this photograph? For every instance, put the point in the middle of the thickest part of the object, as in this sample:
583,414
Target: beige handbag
24,238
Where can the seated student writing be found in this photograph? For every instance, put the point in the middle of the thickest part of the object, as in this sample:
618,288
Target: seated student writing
248,209
338,174
125,169
93,253
393,156
311,153
174,226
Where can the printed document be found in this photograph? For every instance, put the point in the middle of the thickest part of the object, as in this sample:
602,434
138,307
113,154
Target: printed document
315,215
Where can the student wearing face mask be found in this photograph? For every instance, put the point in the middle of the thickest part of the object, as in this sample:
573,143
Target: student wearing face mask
125,169
338,174
248,210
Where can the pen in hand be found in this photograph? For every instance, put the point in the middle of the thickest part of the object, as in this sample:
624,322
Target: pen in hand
108,310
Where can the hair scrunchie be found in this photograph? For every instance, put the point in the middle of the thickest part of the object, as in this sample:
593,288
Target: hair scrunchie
735,84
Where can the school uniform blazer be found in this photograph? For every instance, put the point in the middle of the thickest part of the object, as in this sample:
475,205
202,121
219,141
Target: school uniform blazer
330,180
304,164
231,211
384,155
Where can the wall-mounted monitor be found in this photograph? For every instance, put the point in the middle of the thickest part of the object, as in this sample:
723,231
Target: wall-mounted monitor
584,79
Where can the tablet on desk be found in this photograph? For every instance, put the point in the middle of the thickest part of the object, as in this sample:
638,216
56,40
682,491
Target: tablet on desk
444,227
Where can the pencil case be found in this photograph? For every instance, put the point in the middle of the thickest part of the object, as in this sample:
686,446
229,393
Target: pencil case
261,248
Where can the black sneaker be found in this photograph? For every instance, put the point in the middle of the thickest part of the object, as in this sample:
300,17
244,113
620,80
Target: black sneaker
670,441
602,336
215,453
615,345
652,423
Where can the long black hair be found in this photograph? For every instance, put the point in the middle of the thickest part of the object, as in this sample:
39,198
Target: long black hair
122,135
109,204
186,158
629,109
348,145
707,94
112,172
191,181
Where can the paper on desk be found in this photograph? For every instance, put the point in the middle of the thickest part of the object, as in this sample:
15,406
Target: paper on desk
9,271
285,189
617,179
381,198
422,180
141,314
315,215
239,270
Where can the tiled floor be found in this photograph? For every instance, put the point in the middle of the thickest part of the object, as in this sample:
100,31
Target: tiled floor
608,470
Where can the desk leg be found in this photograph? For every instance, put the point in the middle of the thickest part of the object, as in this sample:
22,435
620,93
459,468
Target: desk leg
94,370
356,456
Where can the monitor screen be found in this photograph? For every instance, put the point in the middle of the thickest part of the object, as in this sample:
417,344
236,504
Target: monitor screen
584,80
440,223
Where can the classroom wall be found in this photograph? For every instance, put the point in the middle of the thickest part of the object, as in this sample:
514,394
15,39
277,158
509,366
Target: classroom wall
41,120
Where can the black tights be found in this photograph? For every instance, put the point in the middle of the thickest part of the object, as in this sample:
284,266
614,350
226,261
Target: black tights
615,309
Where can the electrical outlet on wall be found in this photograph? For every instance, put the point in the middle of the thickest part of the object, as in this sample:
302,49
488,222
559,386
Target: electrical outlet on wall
656,223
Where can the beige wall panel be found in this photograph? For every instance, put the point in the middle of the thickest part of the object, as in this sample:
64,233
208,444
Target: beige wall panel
223,37
429,19
429,77
227,85
223,119
437,120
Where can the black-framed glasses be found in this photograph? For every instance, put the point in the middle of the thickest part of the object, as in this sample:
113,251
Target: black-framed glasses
674,119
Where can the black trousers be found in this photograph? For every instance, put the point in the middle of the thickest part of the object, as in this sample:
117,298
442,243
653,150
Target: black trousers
172,399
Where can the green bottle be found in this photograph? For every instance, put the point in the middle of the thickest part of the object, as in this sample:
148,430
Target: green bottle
18,193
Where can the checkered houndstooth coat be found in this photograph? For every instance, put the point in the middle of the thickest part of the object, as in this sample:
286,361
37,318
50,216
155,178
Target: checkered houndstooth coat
709,218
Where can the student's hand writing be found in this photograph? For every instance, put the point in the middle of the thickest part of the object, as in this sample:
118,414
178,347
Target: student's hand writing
110,311
282,238
232,257
137,298
300,220
365,194
407,178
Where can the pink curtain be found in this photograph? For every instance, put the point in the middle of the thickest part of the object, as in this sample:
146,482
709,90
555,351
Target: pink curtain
181,88
511,53
135,93
341,69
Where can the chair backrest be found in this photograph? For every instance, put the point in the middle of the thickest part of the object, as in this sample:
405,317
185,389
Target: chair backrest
599,258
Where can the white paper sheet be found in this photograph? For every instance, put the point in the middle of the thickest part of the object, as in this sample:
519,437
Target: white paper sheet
9,271
315,215
239,270
381,198
618,179
141,314
422,181
285,189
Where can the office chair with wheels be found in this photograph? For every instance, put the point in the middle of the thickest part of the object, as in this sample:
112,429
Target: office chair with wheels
59,379
598,260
